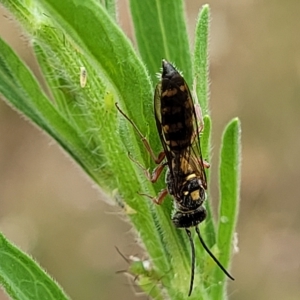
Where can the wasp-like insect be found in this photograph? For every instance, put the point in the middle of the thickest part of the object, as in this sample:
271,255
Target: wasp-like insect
178,129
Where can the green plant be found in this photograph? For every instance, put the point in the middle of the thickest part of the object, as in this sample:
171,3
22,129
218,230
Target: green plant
70,34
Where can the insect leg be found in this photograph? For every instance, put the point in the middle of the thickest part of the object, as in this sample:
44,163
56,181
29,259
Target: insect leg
199,117
158,159
193,261
199,122
159,198
123,256
155,173
197,108
205,163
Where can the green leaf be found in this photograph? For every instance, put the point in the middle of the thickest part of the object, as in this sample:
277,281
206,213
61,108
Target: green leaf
209,229
201,63
21,89
160,31
201,88
22,278
230,165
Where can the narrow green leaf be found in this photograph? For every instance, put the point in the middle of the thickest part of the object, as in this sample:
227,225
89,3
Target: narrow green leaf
201,86
209,228
201,63
229,198
206,141
22,278
161,32
20,88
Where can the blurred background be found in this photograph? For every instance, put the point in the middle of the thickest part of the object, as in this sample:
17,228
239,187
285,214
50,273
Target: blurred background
50,209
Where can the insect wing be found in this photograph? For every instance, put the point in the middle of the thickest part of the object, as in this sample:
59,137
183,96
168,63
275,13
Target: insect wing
158,120
196,159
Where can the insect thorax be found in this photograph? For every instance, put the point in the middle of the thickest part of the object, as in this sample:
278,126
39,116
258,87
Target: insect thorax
189,195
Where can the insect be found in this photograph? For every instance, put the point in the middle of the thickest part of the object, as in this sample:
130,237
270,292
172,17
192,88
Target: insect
144,273
178,129
83,77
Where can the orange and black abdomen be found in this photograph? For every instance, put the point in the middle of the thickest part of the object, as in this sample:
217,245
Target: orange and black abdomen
177,109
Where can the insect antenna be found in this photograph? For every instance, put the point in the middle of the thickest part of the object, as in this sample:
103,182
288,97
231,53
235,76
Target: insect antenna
211,255
193,261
